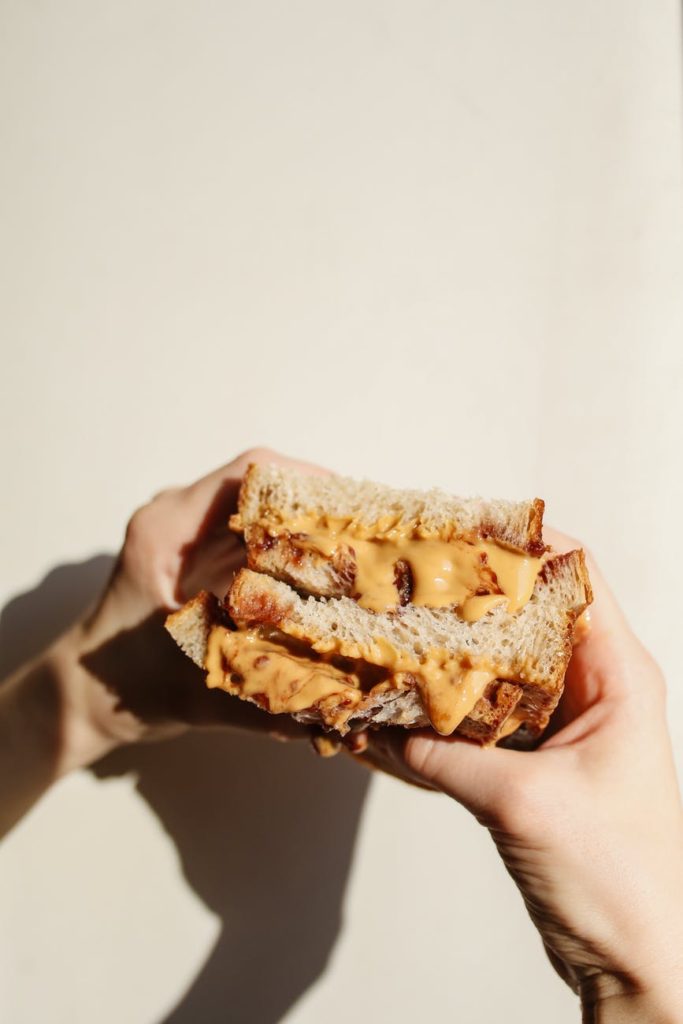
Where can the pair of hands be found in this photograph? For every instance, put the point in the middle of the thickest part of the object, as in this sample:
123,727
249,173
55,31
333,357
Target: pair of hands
589,825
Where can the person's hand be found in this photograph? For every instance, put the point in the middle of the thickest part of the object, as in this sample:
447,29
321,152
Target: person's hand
589,825
116,676
136,683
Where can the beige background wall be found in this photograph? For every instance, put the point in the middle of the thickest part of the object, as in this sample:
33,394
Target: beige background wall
426,242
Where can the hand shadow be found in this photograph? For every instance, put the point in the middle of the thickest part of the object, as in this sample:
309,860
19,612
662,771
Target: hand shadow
264,831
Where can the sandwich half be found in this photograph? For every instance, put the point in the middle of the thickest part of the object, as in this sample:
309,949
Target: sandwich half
364,606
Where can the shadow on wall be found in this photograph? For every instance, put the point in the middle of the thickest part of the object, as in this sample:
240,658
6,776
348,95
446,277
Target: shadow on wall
264,831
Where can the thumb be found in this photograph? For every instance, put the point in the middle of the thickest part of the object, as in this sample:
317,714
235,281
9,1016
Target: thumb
477,777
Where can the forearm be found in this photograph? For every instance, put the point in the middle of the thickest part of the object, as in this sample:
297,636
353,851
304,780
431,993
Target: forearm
43,733
30,739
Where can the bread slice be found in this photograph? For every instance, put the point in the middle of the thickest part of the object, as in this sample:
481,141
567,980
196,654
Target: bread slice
271,496
529,650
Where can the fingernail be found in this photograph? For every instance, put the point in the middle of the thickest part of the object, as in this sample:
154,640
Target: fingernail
356,742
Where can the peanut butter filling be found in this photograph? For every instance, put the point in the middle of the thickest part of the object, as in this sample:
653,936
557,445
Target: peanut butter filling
281,679
286,677
400,563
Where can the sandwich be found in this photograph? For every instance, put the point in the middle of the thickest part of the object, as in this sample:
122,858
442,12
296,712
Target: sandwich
364,606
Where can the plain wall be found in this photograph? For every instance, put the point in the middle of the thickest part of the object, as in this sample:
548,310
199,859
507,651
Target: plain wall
430,243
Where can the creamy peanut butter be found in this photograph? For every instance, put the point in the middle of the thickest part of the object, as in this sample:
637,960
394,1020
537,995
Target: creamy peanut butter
443,570
450,692
251,665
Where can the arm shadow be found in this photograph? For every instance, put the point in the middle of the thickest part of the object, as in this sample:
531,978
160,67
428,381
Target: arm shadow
264,831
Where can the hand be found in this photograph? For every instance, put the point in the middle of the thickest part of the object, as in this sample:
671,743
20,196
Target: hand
589,825
117,676
175,546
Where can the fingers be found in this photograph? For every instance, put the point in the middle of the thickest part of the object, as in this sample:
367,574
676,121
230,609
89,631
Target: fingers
211,566
208,502
381,752
608,661
192,525
477,777
225,481
606,616
481,778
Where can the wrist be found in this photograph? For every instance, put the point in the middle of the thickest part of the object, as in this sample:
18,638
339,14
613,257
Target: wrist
84,736
40,738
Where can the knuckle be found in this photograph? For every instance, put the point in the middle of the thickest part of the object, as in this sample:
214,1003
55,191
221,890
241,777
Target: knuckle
645,686
140,533
137,525
652,676
144,519
140,558
164,495
259,453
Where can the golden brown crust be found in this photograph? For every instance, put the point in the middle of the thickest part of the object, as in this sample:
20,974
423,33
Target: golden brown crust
486,720
553,567
535,534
